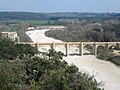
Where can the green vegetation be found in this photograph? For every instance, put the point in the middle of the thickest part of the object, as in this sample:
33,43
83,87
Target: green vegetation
88,31
48,71
14,28
55,16
42,22
105,55
109,56
115,59
11,51
5,79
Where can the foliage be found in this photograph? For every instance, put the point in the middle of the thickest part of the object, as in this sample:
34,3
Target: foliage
42,22
6,78
105,55
52,72
109,56
115,60
80,35
10,50
12,75
88,31
55,16
48,71
14,28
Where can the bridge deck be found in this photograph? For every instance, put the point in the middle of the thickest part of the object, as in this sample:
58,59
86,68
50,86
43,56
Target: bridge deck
70,43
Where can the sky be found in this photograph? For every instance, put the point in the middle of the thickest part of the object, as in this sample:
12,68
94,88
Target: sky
46,6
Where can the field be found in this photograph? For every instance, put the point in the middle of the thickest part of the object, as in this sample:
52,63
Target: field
42,22
35,22
16,25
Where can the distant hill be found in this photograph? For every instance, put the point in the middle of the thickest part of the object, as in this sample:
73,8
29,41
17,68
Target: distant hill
55,16
22,15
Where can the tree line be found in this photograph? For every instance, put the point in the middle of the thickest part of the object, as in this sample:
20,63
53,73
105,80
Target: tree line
55,16
94,31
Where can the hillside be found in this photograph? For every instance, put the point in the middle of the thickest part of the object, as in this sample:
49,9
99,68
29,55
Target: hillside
55,16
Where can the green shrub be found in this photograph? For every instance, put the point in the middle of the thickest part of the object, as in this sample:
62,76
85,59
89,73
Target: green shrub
52,72
6,79
109,56
11,51
115,59
105,55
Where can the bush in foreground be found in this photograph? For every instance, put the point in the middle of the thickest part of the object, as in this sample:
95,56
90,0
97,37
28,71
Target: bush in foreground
51,72
11,51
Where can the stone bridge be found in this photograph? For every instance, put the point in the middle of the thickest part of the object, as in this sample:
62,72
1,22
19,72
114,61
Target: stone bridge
80,45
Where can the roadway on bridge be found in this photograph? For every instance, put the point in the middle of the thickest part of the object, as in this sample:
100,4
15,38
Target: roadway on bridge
102,70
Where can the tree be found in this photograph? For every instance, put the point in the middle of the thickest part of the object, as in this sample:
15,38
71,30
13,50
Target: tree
6,78
52,72
11,51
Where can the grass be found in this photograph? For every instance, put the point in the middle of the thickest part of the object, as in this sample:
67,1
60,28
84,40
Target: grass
34,22
42,22
14,28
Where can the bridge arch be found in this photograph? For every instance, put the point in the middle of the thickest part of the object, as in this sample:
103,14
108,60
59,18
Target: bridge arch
88,49
112,46
73,49
100,49
62,48
44,48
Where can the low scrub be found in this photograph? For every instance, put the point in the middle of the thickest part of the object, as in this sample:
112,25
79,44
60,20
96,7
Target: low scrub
11,51
115,60
105,55
109,56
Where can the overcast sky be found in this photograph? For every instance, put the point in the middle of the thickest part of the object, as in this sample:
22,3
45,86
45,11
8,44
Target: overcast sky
60,5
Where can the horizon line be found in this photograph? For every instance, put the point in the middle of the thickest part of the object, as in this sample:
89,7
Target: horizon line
61,12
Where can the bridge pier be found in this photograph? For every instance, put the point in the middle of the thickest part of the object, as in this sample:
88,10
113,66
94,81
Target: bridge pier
94,49
81,49
67,49
117,45
53,45
106,47
37,46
